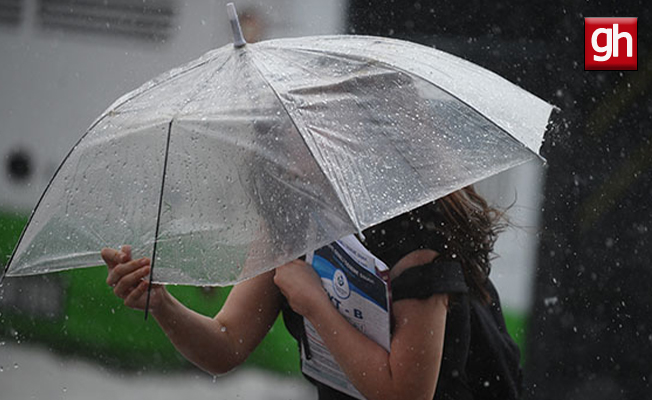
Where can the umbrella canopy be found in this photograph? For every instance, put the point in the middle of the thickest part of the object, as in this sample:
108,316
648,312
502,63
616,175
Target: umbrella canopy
254,154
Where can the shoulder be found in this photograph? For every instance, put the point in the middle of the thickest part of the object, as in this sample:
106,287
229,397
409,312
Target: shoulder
422,274
412,260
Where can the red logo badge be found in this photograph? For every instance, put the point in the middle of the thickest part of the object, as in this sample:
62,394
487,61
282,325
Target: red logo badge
610,44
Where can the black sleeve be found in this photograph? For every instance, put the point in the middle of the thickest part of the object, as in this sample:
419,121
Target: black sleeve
423,281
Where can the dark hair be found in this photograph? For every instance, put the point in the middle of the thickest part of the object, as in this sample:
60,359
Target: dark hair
472,226
460,226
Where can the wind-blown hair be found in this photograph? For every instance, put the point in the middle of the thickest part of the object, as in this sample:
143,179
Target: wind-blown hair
472,226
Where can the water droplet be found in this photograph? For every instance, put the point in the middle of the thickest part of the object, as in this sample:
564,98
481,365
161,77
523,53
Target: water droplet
16,366
223,329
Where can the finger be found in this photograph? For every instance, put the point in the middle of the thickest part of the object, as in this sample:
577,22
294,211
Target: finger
111,257
285,266
298,261
279,277
121,270
126,249
290,265
280,271
136,294
130,281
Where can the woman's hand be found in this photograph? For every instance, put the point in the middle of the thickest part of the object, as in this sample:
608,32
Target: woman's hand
127,277
301,286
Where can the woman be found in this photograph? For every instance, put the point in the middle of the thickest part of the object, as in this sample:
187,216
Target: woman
448,333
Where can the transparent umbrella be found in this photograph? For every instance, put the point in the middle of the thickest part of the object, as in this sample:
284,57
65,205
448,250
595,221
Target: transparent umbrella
255,154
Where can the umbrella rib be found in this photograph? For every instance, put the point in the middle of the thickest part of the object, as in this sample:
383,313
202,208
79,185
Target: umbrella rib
158,219
354,221
88,131
47,188
165,165
140,91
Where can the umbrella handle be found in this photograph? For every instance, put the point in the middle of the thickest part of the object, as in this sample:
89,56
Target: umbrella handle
238,38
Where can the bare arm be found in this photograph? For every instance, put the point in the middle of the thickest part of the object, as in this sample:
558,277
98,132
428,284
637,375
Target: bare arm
410,370
221,343
214,344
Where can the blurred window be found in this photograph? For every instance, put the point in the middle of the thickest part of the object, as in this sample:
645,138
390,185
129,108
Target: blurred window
152,20
10,12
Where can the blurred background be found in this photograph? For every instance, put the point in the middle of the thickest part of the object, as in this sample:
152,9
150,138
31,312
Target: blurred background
573,272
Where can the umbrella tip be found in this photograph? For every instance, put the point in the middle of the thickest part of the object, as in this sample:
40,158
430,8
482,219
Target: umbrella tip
238,38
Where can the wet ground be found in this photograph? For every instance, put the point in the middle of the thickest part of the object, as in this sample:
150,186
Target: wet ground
27,372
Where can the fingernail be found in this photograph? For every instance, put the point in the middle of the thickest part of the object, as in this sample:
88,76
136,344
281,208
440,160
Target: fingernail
143,261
